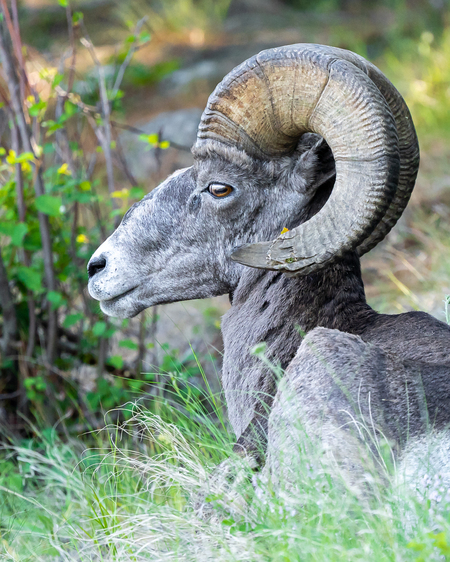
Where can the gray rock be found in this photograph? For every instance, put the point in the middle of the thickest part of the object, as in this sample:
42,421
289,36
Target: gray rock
189,327
181,80
178,127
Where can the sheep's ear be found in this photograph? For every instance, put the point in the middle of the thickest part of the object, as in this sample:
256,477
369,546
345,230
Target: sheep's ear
315,166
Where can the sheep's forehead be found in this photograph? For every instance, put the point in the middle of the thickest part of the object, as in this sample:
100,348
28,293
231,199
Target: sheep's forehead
162,200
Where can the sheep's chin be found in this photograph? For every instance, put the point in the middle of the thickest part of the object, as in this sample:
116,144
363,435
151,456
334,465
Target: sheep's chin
123,306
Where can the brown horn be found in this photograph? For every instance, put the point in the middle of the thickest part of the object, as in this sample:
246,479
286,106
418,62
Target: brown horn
346,100
407,140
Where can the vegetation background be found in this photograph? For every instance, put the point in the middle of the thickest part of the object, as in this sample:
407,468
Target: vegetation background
99,101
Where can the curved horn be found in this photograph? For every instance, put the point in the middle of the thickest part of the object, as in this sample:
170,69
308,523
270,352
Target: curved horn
346,100
407,140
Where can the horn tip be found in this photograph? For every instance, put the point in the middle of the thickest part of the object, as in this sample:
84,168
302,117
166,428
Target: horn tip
253,255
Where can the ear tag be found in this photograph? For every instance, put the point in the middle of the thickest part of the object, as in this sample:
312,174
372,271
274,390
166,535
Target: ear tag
284,231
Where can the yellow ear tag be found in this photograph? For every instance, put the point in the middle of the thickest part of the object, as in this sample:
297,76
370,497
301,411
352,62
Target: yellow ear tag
284,230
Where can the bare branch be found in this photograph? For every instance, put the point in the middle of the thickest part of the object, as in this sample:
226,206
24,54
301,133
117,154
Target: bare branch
26,258
8,310
13,29
128,58
124,165
71,32
29,144
137,131
104,136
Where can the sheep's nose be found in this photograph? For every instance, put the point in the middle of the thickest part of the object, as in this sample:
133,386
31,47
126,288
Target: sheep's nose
95,265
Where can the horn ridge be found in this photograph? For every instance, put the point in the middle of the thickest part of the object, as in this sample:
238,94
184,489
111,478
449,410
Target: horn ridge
348,101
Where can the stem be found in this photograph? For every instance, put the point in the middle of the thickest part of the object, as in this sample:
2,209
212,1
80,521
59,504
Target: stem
128,58
21,210
29,145
124,165
104,132
8,309
141,343
102,351
14,32
71,32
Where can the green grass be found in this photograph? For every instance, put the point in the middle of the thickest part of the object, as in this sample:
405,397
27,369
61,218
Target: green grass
407,271
421,72
131,498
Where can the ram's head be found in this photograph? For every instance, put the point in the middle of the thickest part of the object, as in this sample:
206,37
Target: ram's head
259,171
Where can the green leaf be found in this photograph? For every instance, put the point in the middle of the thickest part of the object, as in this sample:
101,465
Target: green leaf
115,361
83,197
30,278
7,228
49,205
77,16
150,139
35,109
72,319
57,79
56,299
110,332
49,148
85,185
63,3
137,193
52,126
18,234
99,328
25,157
93,400
129,344
70,108
144,37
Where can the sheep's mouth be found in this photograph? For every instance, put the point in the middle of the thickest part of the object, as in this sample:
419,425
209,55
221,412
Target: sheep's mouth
117,298
125,305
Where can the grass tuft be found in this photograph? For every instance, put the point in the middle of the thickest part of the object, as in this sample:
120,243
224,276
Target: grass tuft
132,497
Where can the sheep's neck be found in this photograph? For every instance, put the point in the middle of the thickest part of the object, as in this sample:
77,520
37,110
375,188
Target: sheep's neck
332,298
273,308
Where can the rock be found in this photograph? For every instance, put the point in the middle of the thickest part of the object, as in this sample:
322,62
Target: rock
86,376
181,80
189,327
178,127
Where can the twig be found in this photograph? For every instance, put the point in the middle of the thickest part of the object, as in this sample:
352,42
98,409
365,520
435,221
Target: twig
104,136
29,144
15,15
13,29
10,395
21,209
71,32
141,343
128,58
124,164
137,131
92,111
8,310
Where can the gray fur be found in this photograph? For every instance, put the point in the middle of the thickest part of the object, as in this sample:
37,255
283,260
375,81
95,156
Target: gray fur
352,396
176,244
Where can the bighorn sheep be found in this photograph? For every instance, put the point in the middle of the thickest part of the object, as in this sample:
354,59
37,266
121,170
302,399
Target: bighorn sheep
315,140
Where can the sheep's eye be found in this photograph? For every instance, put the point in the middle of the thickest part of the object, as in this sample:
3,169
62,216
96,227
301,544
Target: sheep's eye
220,189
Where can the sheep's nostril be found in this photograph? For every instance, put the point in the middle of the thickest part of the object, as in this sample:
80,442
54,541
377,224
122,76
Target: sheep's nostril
95,265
